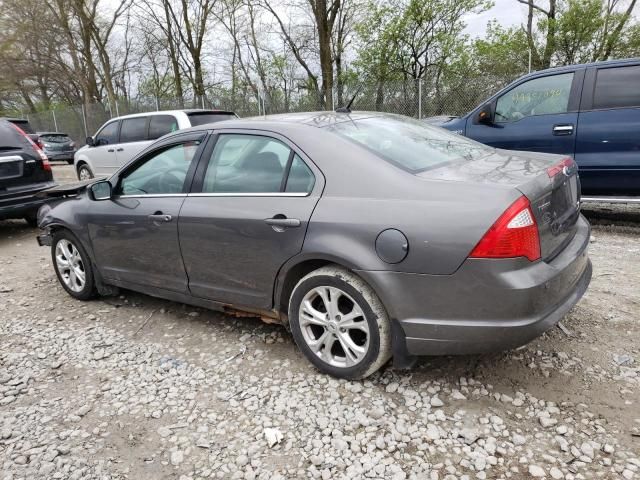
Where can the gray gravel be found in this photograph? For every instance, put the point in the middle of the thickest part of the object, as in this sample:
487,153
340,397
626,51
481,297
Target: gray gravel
86,393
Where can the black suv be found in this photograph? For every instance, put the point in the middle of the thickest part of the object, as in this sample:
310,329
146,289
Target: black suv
24,171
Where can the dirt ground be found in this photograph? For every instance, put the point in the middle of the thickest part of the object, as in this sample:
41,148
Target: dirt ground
136,387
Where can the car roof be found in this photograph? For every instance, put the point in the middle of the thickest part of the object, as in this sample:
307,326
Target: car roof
285,121
577,66
186,111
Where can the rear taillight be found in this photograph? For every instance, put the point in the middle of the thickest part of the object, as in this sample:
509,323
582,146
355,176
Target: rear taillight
559,167
514,234
45,161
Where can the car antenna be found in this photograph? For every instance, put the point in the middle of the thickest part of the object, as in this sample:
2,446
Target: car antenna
347,109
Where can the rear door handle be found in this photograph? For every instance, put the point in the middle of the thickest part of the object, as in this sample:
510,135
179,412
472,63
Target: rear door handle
111,150
283,222
120,150
566,129
160,217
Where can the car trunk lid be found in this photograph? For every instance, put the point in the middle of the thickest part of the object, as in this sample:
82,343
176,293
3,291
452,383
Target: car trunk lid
550,182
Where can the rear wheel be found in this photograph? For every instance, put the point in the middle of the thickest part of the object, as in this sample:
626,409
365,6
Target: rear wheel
339,323
70,161
84,172
72,265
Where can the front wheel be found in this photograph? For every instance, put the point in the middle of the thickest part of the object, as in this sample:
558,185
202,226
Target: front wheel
84,172
339,323
72,265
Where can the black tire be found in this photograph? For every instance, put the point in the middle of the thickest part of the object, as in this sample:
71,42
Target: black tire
70,161
86,168
350,289
88,289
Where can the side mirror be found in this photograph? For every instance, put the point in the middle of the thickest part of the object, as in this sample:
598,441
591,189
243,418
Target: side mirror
485,115
90,141
100,190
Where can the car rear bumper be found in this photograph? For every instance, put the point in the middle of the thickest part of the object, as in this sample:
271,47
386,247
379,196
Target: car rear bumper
19,204
60,155
487,305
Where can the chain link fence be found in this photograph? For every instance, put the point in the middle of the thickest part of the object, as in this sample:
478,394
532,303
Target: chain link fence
421,98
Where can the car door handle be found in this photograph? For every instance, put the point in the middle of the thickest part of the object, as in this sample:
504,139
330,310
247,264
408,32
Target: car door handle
283,222
120,150
160,217
111,150
566,129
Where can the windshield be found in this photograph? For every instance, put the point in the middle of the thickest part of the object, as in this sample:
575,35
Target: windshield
197,119
409,144
55,138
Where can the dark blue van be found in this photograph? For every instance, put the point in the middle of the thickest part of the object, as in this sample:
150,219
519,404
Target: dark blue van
590,111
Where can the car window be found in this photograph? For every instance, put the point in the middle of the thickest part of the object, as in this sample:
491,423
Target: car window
540,96
246,164
408,143
301,178
160,125
201,118
55,138
617,87
108,135
133,130
24,126
162,172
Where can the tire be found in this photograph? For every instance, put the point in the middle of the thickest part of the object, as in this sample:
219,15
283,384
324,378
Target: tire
70,161
66,249
343,352
84,171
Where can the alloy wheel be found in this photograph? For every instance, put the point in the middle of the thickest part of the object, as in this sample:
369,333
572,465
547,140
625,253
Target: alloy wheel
70,265
84,173
334,327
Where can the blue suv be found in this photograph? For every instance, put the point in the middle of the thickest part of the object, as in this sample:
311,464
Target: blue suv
590,112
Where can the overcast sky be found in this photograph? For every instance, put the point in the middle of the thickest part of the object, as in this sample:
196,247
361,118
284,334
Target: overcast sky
507,12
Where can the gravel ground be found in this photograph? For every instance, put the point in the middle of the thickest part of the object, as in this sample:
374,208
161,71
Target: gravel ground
137,387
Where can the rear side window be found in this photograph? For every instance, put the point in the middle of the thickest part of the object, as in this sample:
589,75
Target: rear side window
160,125
617,87
246,164
133,129
199,118
108,135
255,164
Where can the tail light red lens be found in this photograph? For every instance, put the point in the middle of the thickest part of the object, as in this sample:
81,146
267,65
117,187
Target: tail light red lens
45,161
514,234
558,168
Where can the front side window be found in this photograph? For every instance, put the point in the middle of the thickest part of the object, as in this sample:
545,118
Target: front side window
617,87
133,130
162,172
246,164
108,135
160,125
408,143
540,96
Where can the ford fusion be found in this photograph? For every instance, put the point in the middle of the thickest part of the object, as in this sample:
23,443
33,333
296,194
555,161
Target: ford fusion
369,235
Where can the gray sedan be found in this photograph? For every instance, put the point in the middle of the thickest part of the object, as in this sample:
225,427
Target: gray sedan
370,236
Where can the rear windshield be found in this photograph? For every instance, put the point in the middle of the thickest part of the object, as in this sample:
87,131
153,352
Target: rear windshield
55,137
409,144
24,125
198,118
